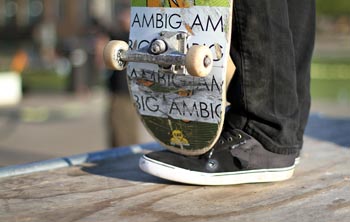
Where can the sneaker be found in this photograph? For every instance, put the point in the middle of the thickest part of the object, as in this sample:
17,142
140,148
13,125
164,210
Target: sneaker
236,158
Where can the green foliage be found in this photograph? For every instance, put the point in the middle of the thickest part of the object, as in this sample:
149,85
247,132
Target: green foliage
331,89
333,7
43,80
331,80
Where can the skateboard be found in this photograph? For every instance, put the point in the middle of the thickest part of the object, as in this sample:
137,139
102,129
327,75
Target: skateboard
176,61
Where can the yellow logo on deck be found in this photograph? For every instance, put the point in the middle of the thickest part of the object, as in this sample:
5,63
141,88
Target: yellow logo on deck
178,139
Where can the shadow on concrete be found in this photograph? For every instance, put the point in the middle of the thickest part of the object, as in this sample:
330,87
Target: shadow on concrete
126,168
335,130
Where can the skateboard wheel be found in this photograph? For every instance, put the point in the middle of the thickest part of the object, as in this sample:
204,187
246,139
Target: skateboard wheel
199,61
112,54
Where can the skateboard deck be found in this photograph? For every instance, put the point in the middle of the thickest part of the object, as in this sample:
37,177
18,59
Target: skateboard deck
185,113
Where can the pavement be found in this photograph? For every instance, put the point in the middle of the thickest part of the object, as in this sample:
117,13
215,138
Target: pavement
330,121
45,126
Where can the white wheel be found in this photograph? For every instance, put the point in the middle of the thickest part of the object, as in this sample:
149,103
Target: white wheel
199,61
112,54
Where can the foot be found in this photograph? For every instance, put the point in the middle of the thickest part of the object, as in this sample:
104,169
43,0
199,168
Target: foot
235,159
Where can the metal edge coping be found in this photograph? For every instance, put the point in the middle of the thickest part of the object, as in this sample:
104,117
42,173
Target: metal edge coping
74,160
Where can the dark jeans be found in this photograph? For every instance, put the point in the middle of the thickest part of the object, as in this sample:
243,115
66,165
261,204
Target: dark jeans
272,45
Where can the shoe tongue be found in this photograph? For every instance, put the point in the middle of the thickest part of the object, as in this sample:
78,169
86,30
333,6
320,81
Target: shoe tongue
226,135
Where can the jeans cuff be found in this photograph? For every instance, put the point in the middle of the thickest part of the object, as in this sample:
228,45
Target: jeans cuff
269,144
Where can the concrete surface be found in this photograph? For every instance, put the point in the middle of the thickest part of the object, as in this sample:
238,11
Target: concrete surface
116,190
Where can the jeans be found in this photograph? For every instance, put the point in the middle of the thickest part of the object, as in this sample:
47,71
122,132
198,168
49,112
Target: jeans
272,44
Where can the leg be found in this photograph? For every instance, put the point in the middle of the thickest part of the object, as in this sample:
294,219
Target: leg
123,121
263,129
302,25
264,90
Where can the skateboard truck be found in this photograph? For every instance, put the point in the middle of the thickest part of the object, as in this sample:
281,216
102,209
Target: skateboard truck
168,51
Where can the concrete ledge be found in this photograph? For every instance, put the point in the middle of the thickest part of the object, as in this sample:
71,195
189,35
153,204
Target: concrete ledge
76,160
114,189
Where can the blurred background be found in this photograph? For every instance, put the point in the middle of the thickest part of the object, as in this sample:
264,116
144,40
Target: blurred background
57,99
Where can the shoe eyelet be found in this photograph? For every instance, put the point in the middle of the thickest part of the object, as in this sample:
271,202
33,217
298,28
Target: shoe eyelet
230,139
238,136
221,142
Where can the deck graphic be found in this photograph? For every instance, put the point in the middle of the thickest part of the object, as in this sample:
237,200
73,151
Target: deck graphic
179,110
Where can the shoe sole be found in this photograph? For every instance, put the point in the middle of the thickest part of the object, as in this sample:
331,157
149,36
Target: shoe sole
177,174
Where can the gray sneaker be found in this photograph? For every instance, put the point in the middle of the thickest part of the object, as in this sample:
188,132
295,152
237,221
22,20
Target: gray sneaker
235,159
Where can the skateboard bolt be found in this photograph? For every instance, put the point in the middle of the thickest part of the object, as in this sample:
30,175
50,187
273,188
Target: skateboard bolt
207,61
158,46
182,35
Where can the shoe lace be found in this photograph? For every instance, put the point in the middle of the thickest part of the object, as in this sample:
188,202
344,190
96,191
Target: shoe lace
231,137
